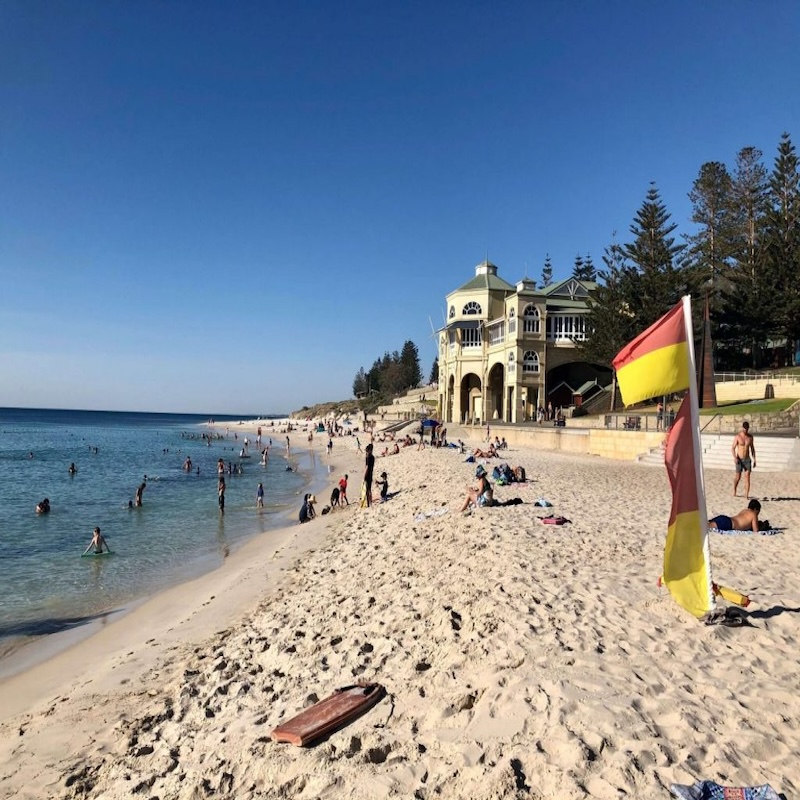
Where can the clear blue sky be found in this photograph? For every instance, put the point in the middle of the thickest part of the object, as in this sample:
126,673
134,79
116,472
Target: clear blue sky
231,207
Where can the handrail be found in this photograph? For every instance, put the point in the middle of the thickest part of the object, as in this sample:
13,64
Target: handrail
715,416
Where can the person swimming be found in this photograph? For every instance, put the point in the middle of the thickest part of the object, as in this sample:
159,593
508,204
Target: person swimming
43,507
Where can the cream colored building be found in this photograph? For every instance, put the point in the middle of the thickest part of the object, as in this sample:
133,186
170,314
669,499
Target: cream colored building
507,350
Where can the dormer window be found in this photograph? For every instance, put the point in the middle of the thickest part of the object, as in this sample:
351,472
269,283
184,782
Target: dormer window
471,309
452,312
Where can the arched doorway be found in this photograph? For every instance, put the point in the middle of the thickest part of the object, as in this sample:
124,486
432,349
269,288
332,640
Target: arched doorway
451,388
494,392
471,405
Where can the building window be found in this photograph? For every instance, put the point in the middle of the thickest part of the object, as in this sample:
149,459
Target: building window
452,312
497,332
530,361
471,308
532,319
452,339
566,326
512,323
471,337
511,363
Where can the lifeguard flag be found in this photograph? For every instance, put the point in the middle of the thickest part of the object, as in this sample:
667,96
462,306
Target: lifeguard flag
687,569
656,362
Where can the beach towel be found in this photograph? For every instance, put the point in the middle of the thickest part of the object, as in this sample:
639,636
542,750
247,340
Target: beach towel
708,790
554,520
768,532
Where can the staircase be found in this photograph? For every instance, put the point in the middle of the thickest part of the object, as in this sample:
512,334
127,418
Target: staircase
773,453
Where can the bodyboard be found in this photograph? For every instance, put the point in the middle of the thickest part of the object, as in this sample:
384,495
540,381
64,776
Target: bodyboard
326,716
104,553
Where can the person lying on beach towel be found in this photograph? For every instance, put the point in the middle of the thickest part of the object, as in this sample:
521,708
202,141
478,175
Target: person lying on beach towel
745,520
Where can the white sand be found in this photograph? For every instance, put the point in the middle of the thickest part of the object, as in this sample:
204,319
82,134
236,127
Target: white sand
522,660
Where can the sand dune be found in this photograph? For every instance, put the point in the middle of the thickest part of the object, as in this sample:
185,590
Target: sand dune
521,660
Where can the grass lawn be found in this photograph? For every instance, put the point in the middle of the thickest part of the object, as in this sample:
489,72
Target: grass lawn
751,407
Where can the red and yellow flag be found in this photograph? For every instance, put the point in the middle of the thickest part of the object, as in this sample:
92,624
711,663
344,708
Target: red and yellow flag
656,362
687,570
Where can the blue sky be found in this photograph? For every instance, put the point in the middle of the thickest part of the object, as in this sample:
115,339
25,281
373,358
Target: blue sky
231,207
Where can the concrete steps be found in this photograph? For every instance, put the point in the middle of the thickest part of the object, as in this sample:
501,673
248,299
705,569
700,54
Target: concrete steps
773,453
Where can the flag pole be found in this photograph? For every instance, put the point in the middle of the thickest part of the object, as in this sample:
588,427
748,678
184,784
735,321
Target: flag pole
698,455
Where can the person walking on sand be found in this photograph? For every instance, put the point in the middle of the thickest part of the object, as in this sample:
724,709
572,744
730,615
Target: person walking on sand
743,448
343,491
369,467
260,496
98,542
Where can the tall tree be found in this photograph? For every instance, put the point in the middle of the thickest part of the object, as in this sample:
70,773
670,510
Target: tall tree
577,267
434,377
409,360
746,286
611,320
713,244
658,278
547,271
360,383
591,270
782,242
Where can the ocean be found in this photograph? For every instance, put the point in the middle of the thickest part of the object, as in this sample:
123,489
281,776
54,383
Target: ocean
178,533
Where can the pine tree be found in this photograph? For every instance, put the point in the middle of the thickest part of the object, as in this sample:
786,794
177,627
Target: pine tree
745,286
782,243
712,246
409,360
360,383
610,319
658,282
547,271
434,378
583,270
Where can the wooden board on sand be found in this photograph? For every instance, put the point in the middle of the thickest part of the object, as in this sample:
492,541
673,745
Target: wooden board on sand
341,707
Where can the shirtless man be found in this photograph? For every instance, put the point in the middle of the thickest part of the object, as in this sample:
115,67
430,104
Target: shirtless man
98,543
745,520
743,448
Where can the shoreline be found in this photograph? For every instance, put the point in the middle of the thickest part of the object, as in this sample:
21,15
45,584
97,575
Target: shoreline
29,651
514,653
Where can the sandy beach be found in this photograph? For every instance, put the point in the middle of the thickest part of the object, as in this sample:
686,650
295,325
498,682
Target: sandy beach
520,659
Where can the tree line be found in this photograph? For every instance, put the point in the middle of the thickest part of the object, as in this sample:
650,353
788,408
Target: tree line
390,374
744,254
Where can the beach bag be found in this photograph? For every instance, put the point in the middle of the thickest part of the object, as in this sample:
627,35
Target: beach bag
506,473
496,476
519,474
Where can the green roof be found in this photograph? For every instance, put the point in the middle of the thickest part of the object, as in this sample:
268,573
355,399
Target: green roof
487,281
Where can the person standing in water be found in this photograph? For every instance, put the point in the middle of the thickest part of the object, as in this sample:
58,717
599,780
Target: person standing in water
260,496
221,495
138,499
98,542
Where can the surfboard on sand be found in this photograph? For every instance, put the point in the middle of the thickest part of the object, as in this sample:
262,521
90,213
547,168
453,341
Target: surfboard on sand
326,716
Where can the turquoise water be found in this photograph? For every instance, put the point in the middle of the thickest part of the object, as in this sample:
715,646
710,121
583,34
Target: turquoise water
178,533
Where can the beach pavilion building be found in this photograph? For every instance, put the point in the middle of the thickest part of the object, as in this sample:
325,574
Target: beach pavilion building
506,351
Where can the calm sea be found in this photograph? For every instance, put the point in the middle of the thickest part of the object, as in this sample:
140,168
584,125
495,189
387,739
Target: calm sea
178,533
